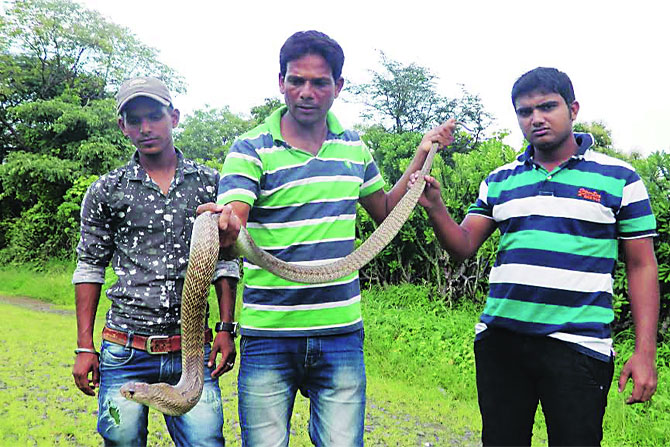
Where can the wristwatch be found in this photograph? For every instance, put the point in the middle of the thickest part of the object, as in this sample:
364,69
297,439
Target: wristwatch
232,328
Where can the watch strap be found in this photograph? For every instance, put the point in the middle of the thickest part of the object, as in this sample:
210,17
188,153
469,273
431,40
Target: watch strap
222,326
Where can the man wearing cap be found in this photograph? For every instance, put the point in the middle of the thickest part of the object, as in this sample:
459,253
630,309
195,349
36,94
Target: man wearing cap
139,217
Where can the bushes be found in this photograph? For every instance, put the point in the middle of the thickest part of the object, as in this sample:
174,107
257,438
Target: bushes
655,172
415,255
46,230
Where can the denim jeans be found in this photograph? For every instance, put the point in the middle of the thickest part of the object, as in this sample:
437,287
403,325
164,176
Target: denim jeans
515,372
329,370
122,422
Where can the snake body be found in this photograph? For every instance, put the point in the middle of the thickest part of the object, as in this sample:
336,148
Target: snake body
316,274
179,399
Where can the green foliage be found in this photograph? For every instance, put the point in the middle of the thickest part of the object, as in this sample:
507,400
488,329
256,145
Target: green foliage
260,112
415,254
68,213
208,133
67,46
403,98
59,64
655,172
601,134
32,237
31,178
393,152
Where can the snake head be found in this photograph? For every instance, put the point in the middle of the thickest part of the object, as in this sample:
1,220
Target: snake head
136,391
157,396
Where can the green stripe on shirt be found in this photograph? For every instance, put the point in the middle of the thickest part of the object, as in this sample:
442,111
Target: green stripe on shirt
558,242
296,319
546,313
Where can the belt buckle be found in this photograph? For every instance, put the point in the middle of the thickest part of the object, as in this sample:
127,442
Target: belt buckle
156,337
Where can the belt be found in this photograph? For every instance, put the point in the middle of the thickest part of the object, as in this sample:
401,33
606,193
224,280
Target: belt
153,344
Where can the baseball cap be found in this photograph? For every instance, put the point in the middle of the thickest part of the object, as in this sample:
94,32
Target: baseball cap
142,86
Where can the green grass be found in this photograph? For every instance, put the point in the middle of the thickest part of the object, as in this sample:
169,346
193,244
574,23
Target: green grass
50,283
419,362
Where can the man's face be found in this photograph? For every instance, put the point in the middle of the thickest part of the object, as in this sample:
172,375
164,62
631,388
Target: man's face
309,89
149,125
545,119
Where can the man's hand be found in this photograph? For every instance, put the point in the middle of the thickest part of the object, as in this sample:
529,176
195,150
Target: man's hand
642,369
86,372
224,344
443,135
229,223
431,196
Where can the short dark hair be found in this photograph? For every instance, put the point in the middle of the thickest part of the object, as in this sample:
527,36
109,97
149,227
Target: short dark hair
312,42
544,80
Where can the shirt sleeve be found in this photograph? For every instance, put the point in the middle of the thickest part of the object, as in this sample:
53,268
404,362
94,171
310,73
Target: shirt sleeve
635,218
481,206
372,179
96,246
241,174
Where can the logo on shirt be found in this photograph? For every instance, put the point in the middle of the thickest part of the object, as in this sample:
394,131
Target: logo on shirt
588,195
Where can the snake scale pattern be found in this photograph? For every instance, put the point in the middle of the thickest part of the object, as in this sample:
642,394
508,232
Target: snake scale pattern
180,398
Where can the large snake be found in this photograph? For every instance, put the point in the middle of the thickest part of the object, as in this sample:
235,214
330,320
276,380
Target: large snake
180,398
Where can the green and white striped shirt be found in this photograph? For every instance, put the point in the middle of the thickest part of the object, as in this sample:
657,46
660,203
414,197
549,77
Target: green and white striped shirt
558,244
303,210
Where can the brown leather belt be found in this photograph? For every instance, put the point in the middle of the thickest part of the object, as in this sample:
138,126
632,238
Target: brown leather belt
153,344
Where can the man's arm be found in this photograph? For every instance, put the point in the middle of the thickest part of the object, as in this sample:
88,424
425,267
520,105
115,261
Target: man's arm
224,342
86,369
643,290
460,241
379,204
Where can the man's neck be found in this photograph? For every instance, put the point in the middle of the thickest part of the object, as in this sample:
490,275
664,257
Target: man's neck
550,158
161,167
163,161
309,138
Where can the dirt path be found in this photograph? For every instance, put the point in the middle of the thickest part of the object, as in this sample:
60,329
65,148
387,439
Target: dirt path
34,304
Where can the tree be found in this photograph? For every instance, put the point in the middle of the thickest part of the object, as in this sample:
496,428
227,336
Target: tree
59,67
55,47
209,132
260,112
403,98
601,134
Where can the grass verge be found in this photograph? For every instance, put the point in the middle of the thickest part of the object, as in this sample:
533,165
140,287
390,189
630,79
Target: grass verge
420,365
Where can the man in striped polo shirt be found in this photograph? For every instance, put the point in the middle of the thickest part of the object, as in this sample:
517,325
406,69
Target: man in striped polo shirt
294,182
544,334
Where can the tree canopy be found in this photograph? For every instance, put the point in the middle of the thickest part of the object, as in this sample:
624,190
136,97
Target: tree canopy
404,98
60,65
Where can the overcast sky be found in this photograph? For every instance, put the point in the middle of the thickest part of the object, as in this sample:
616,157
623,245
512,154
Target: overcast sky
616,53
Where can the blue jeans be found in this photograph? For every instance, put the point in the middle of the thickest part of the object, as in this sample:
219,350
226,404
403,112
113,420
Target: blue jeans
329,370
122,422
515,372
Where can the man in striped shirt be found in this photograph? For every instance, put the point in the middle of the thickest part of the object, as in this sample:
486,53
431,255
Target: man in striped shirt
294,182
544,334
